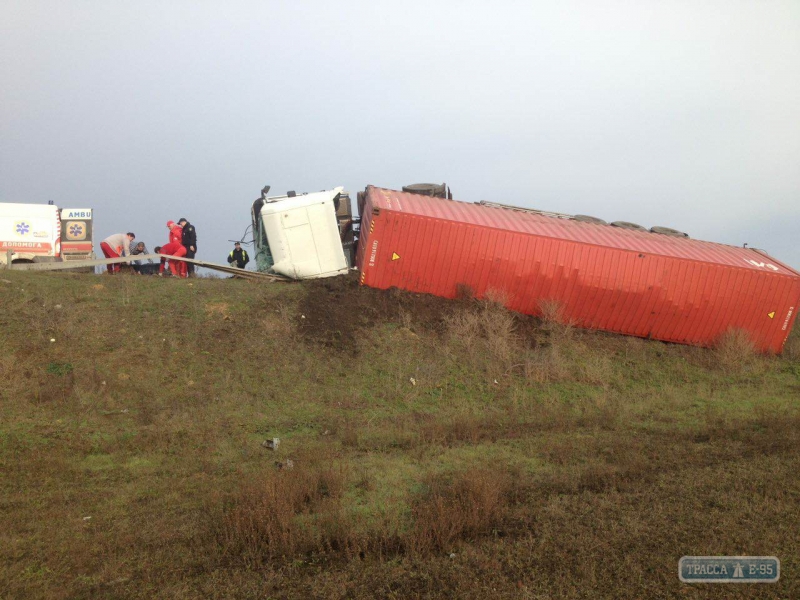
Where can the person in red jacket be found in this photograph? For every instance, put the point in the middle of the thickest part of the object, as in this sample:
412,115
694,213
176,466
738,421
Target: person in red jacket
174,248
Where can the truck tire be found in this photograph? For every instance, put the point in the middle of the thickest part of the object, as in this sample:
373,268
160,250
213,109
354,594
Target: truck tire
588,219
668,231
628,225
427,189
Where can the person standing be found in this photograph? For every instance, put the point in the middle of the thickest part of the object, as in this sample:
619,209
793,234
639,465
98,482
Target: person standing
239,256
115,246
173,248
189,241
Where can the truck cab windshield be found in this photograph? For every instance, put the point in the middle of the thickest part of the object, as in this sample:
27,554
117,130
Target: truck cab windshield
264,260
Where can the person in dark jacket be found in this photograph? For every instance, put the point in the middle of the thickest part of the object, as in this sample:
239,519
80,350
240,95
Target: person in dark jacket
239,256
189,242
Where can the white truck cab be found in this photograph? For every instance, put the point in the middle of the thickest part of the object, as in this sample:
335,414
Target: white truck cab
299,235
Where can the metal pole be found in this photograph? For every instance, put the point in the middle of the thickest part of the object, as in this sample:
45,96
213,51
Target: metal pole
9,254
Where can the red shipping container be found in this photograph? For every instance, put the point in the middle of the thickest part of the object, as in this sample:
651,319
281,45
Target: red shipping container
603,277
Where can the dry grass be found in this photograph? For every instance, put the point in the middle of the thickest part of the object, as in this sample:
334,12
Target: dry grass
547,364
487,332
524,461
464,507
293,513
286,512
791,350
554,321
735,351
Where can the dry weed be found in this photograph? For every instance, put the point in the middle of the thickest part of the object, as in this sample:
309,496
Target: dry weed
464,328
791,350
501,340
735,351
553,319
284,512
459,428
465,506
349,436
405,318
546,364
551,312
487,332
596,369
560,358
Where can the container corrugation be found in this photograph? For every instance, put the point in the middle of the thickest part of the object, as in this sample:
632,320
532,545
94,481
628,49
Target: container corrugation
619,280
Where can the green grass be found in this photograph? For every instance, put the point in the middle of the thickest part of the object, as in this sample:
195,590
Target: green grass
485,456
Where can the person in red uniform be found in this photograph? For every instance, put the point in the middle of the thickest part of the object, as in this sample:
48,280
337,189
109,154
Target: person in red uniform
174,248
115,246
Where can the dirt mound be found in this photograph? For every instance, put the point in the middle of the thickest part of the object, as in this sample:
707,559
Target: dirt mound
334,311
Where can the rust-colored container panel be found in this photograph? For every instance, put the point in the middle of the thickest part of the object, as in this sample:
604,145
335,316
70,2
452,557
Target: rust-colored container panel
630,282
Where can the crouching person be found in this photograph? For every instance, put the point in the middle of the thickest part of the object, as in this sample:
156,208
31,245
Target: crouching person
139,266
173,248
115,246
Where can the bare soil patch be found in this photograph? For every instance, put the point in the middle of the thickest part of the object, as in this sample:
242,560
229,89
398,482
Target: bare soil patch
333,312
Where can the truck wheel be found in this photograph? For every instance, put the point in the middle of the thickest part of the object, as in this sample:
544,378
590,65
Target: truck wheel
588,219
435,190
628,225
668,231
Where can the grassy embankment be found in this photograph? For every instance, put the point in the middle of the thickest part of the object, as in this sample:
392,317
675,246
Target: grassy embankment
442,449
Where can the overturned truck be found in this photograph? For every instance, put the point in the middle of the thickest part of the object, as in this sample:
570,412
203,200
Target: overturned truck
618,279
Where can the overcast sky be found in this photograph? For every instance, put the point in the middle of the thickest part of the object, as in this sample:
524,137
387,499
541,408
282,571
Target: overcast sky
683,114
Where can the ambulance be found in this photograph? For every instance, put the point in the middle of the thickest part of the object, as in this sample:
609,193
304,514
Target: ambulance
76,234
35,233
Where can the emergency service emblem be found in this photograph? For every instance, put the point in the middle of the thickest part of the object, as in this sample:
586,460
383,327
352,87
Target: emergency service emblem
76,231
22,228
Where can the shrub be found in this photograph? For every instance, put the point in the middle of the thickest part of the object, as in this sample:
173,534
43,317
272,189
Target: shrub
284,512
791,351
487,332
462,507
735,351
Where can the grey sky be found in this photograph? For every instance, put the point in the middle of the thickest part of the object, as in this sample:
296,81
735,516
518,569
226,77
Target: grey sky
684,114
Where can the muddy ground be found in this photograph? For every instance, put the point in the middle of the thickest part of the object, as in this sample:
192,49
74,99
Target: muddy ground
334,311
